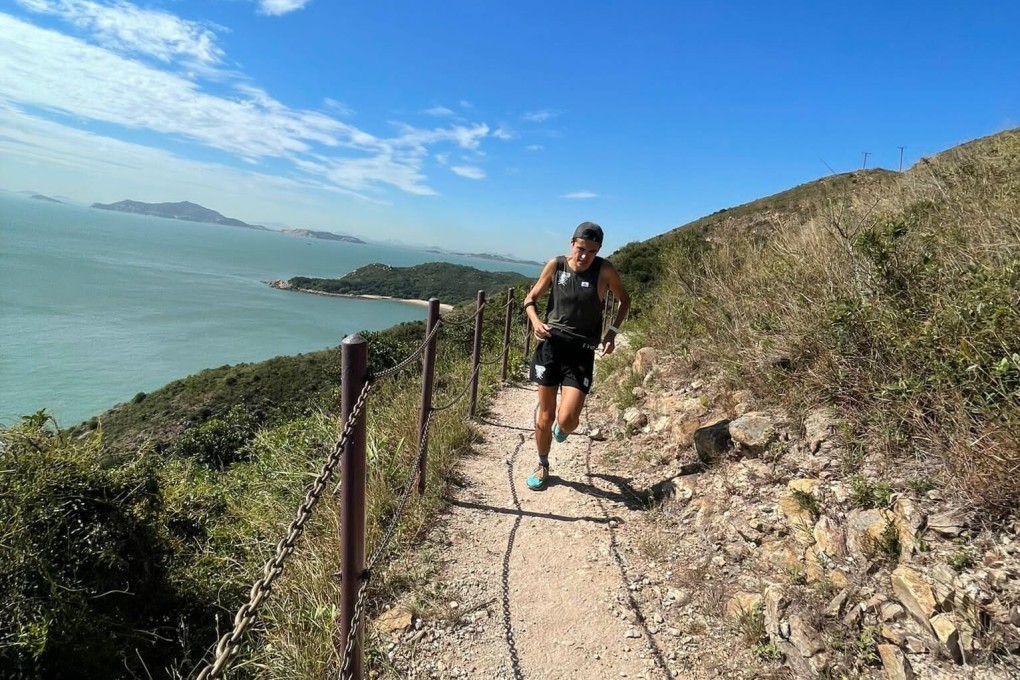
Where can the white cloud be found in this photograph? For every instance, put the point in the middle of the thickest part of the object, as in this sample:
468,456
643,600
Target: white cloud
534,147
278,7
339,108
468,171
127,28
465,104
580,195
539,116
66,77
439,111
502,133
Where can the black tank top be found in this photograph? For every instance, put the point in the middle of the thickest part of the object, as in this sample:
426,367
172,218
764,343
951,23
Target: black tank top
575,309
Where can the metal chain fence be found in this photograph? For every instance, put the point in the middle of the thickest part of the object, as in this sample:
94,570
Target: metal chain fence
228,645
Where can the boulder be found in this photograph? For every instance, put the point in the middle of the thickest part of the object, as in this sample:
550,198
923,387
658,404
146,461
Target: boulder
895,663
712,441
914,594
752,432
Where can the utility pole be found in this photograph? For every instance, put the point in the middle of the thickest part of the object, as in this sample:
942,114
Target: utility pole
901,157
866,154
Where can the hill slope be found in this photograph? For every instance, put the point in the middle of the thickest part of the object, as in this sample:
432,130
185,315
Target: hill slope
183,210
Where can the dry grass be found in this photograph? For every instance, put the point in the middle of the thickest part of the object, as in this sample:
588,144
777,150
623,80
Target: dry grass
898,301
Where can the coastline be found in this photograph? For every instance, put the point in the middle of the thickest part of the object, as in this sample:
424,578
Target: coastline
284,285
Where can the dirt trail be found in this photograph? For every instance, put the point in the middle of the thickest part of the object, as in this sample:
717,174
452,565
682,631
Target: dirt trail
540,586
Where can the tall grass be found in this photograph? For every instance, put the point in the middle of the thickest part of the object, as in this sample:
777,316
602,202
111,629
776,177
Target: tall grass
132,562
900,304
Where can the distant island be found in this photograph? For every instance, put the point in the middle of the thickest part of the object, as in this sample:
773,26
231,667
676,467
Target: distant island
484,256
183,210
40,197
325,235
451,283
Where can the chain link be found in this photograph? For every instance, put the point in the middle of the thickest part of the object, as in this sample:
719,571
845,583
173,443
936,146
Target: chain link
379,549
229,643
464,391
403,364
508,626
465,320
352,635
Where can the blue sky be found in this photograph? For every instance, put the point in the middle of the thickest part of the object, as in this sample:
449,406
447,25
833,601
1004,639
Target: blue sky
487,126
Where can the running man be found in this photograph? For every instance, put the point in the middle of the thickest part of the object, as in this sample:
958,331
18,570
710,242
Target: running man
565,356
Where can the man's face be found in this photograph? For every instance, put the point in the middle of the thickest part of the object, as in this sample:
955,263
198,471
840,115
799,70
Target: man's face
583,252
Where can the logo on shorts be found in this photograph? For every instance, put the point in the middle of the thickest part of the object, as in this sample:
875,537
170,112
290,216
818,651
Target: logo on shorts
564,277
539,372
585,382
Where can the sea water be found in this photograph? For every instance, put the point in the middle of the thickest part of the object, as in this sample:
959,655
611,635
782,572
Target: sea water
96,306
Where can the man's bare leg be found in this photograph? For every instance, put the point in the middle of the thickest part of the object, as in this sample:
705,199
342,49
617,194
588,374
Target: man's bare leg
545,418
571,403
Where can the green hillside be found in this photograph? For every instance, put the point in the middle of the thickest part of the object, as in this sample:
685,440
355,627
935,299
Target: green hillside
451,283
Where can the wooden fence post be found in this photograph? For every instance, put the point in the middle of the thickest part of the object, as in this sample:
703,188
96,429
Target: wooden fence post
352,501
506,330
476,354
427,377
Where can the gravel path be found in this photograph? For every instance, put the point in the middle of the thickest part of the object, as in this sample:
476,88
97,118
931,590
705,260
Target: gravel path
535,583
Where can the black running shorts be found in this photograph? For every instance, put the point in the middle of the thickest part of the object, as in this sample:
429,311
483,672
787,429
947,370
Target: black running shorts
562,362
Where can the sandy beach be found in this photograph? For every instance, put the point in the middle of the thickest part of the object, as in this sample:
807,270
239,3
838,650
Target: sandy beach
284,285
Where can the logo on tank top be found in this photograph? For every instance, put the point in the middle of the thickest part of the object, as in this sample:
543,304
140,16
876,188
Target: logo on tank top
564,278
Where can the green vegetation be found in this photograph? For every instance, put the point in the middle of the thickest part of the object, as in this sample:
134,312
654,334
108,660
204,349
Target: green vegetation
130,541
451,283
892,296
867,494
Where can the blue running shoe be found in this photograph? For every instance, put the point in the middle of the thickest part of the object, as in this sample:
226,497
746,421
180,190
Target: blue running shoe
557,434
538,478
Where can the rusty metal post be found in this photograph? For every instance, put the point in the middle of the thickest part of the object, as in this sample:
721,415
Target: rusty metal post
427,375
352,501
476,353
506,330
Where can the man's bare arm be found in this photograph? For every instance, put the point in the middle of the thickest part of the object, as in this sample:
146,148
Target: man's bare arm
615,284
541,286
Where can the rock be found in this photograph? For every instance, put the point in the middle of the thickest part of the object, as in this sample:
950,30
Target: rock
597,434
942,577
394,620
774,603
752,432
948,634
890,611
694,406
818,427
781,555
863,529
909,524
798,518
830,539
837,604
948,523
635,418
895,663
683,429
914,594
712,441
678,488
804,637
644,359
742,604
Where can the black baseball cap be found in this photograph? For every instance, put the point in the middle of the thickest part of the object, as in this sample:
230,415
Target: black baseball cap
589,231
